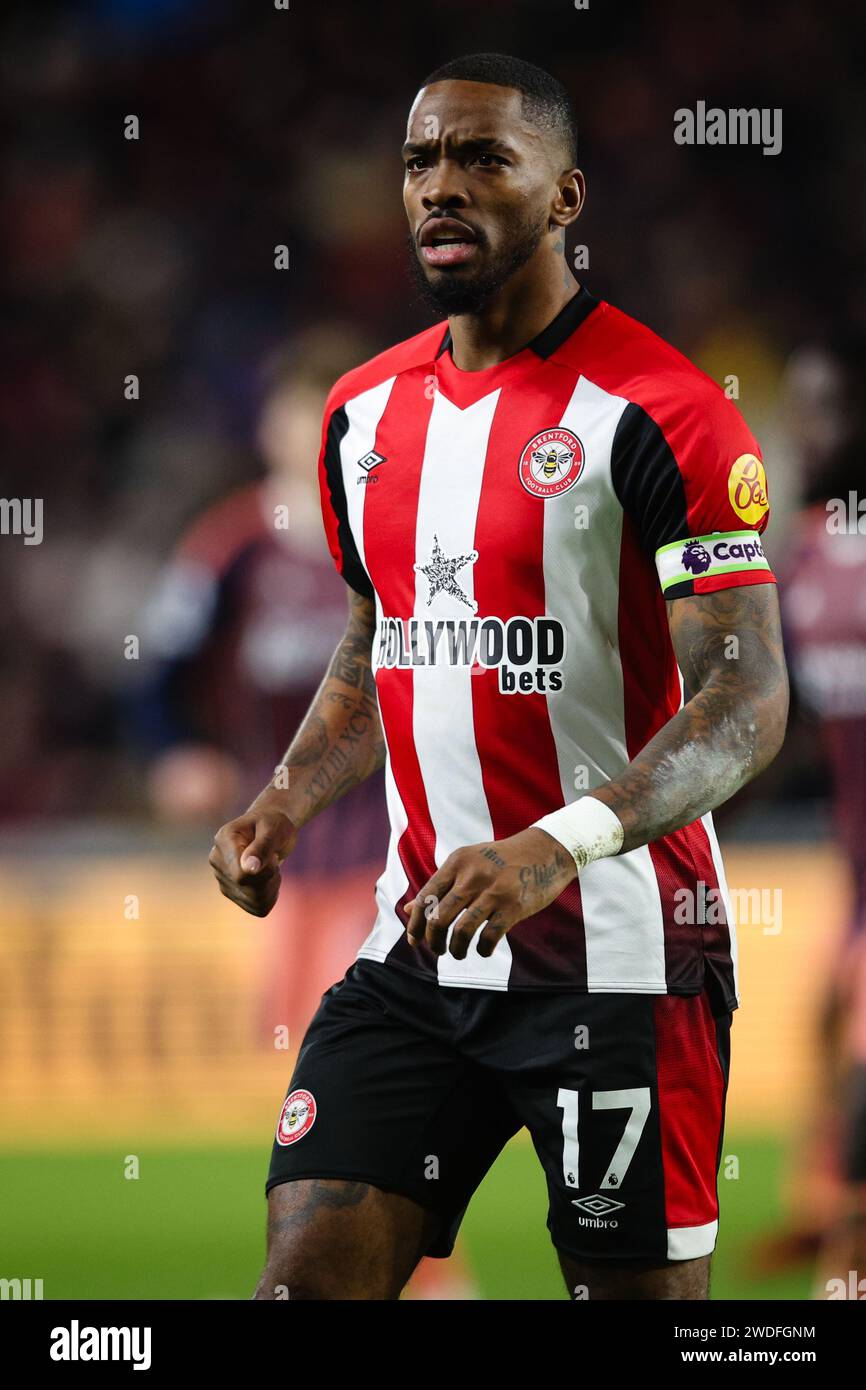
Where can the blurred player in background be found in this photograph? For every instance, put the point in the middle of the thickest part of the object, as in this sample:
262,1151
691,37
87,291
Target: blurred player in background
824,612
242,627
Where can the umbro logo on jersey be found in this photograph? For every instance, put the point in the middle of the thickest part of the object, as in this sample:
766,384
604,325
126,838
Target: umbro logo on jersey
368,462
551,463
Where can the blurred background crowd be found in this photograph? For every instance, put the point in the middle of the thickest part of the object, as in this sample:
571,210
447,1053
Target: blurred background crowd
258,127
164,380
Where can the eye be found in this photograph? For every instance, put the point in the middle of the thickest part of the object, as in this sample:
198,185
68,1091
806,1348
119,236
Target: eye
416,162
488,160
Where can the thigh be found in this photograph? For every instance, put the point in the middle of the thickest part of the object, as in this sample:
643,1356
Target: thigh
681,1279
384,1122
626,1116
333,1239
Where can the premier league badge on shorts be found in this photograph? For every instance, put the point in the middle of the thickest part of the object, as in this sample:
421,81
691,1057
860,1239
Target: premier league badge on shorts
551,463
297,1117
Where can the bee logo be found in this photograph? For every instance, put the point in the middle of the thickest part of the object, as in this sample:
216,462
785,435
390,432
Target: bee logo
297,1117
551,463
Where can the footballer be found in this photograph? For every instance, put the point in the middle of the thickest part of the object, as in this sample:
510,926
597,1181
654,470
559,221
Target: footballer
563,645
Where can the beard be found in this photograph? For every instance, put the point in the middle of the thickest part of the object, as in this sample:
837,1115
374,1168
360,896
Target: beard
455,292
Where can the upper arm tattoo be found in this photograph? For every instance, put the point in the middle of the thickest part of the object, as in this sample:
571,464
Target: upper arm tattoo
732,637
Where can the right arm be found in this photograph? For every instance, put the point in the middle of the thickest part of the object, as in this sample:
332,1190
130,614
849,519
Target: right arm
339,744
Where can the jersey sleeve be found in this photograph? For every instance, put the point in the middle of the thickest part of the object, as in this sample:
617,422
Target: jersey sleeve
335,512
689,473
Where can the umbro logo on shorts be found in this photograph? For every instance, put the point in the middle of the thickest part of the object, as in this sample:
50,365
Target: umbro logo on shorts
598,1212
597,1205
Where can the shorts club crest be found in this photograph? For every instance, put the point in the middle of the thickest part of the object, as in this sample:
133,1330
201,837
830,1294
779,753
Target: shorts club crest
297,1117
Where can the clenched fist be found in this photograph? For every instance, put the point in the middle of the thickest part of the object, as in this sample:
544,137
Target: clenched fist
247,854
498,883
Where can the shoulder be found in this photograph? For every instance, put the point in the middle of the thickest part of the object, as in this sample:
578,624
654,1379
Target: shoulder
417,351
627,359
683,459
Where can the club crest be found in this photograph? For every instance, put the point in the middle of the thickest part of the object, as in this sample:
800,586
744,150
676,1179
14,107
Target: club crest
297,1117
551,463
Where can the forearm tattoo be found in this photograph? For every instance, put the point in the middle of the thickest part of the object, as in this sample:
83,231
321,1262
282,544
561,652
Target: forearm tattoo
340,742
728,646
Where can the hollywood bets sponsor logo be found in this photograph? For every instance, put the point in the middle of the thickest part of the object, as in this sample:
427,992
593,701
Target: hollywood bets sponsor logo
747,488
527,653
551,463
297,1117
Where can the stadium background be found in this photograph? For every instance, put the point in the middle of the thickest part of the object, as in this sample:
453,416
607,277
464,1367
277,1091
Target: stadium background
130,992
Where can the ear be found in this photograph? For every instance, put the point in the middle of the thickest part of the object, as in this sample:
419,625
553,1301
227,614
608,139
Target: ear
569,199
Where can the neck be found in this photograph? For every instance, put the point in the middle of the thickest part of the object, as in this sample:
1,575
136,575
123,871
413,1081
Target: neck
518,313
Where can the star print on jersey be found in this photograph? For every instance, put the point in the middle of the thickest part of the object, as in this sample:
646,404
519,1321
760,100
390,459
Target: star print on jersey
441,571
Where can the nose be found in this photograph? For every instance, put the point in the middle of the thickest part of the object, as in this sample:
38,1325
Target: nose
444,187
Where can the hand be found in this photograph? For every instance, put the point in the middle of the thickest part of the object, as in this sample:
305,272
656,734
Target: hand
499,883
247,854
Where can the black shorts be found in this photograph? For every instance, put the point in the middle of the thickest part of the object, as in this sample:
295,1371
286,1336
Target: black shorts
416,1087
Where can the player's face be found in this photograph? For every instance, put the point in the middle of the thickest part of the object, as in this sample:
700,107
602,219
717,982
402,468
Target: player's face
478,187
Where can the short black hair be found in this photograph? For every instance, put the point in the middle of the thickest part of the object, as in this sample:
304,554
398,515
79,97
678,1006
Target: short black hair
546,103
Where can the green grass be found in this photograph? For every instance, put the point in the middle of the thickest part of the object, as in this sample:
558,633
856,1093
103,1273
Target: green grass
192,1225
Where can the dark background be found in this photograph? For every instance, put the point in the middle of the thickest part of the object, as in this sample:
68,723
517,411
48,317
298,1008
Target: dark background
261,127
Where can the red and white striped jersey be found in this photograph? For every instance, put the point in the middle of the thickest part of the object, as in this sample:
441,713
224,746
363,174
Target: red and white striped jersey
519,529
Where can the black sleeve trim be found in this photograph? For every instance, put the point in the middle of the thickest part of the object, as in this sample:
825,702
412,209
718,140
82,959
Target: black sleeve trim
352,570
683,590
647,480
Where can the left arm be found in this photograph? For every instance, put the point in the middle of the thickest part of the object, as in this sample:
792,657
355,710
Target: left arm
728,646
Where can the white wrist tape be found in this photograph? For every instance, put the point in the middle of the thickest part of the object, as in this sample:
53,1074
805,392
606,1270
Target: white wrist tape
587,828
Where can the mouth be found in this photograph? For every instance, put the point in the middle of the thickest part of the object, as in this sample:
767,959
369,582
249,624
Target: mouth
445,241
